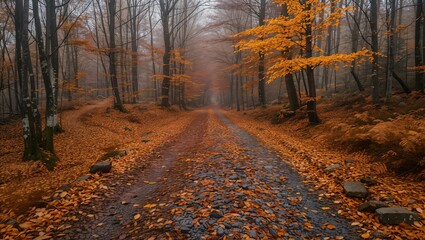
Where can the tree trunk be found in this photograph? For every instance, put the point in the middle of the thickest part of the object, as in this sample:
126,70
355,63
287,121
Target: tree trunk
49,85
261,67
375,50
165,89
311,102
112,57
419,75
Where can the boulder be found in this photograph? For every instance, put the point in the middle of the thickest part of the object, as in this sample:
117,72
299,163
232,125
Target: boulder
83,178
349,160
332,167
380,235
368,181
101,167
216,214
396,215
268,168
355,189
371,206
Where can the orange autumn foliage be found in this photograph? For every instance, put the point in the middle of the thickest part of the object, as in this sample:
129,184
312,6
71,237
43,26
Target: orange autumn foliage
285,34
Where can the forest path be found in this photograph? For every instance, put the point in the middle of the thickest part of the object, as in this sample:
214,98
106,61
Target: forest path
73,118
213,180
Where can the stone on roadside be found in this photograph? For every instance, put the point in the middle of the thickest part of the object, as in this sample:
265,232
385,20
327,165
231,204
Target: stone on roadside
371,206
252,234
368,180
216,214
65,187
349,160
220,231
101,167
83,178
13,223
355,189
396,215
332,167
380,235
268,168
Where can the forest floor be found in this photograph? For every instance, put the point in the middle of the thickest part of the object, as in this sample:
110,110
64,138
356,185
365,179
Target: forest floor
207,174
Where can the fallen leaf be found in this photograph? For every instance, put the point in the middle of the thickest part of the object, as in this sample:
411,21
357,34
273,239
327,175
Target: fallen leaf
149,182
149,205
137,216
365,235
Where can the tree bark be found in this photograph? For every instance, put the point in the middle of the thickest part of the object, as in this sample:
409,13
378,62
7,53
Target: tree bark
419,75
311,102
375,50
112,57
261,67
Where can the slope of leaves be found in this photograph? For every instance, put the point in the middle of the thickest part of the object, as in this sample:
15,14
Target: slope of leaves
91,131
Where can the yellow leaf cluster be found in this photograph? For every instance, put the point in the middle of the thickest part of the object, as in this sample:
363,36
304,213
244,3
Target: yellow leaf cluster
283,39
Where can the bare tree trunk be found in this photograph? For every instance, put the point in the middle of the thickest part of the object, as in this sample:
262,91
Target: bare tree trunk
419,75
165,89
49,85
112,57
261,64
311,102
375,50
31,130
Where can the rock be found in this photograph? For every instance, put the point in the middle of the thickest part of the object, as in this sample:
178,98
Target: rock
396,215
216,214
101,167
145,140
146,133
13,223
185,229
349,160
387,199
273,232
268,168
252,234
371,206
355,189
83,178
234,177
114,154
65,187
378,234
368,180
41,204
402,104
220,231
332,167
